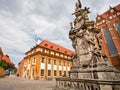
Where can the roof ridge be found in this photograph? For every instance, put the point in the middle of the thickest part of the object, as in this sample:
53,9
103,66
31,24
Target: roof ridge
105,14
55,44
56,47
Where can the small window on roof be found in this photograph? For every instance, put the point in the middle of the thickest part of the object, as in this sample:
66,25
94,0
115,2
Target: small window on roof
65,51
58,49
51,46
46,45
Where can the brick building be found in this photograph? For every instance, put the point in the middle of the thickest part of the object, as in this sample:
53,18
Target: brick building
109,24
46,61
6,58
20,68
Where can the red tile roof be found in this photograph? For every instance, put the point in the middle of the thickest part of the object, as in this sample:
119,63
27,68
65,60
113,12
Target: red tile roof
55,47
106,14
7,59
118,7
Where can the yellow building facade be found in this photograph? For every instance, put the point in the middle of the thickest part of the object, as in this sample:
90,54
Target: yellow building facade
46,61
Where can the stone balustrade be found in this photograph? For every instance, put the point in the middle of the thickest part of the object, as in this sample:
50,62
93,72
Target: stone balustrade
86,84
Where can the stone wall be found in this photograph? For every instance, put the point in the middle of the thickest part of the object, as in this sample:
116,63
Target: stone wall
2,72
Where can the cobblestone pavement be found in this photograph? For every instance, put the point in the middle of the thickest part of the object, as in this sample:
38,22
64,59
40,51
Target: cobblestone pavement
16,83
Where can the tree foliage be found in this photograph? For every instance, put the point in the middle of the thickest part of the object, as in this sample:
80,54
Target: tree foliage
3,64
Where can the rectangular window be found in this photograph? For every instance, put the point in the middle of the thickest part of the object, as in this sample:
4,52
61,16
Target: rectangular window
54,72
64,63
42,60
61,55
49,72
38,49
42,72
45,50
67,63
49,61
54,62
65,56
34,60
64,74
60,73
60,63
41,49
109,41
117,25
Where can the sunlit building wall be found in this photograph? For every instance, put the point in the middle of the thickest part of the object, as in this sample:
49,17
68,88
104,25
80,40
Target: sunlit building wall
46,60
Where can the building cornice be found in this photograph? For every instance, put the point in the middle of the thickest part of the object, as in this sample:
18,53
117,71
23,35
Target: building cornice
46,54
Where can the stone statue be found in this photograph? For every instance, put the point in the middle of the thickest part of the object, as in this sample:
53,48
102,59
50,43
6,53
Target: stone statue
90,69
82,35
77,9
81,15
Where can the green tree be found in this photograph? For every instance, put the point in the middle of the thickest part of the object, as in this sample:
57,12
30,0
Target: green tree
3,64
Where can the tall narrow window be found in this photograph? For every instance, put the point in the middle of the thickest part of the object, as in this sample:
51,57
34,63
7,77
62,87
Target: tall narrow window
60,73
54,62
54,72
34,60
42,72
64,74
49,61
42,60
64,63
49,72
109,41
60,63
117,25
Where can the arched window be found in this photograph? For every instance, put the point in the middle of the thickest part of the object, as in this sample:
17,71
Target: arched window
109,41
117,25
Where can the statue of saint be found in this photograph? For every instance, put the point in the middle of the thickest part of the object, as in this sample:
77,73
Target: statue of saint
83,35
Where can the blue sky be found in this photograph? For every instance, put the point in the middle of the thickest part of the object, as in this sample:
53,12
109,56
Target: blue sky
23,22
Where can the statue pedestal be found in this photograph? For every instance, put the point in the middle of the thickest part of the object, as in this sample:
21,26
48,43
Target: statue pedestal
102,71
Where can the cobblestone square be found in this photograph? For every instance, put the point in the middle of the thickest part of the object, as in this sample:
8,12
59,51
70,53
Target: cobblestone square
16,83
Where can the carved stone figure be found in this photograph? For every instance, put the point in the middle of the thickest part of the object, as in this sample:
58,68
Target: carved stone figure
77,9
88,63
84,36
81,36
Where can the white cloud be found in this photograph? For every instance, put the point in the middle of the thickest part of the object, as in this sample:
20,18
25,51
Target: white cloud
22,22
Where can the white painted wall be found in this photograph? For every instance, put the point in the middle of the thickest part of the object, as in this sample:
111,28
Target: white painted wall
28,66
55,67
49,66
64,68
68,68
60,67
42,66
